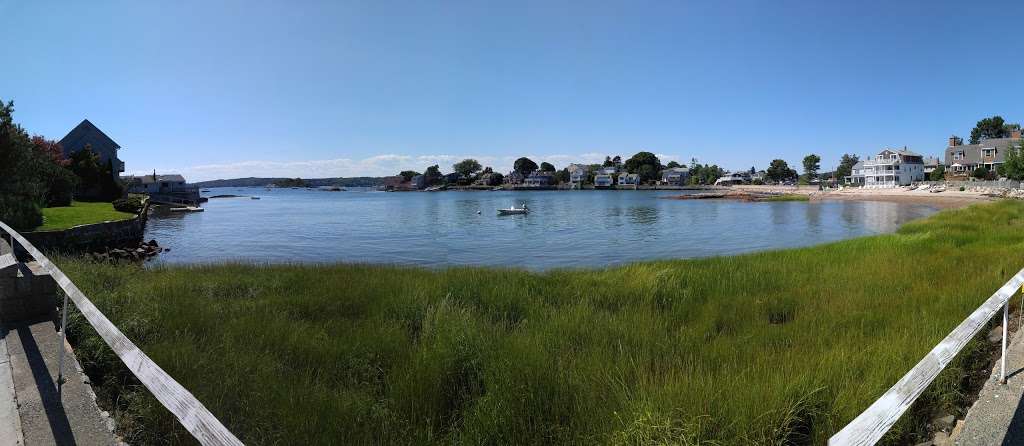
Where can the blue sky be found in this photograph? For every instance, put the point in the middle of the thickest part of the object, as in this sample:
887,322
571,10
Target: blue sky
227,89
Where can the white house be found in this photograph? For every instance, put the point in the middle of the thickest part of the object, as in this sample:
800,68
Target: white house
605,177
629,180
578,174
733,178
891,168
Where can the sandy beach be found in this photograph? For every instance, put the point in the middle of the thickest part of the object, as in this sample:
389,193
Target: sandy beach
944,200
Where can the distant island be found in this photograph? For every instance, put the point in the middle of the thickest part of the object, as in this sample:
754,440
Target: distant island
313,182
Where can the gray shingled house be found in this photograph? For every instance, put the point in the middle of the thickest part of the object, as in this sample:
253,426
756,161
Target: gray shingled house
88,134
962,159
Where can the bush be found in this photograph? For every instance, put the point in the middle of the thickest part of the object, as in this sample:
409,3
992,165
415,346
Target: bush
131,204
62,187
22,215
961,188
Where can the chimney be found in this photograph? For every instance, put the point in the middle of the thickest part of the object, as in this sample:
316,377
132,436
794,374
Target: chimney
953,141
1015,133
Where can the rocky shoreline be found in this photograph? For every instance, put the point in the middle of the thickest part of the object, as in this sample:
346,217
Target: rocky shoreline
138,253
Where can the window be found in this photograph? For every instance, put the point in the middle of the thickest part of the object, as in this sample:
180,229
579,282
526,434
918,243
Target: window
958,155
988,152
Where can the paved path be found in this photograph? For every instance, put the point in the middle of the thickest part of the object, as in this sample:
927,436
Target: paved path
997,418
49,418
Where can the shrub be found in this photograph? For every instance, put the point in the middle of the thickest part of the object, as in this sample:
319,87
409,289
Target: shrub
132,204
22,215
961,188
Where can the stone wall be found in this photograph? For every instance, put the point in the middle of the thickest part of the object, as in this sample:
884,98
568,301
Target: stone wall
94,237
25,293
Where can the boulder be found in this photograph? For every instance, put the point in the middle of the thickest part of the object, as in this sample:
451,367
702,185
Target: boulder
995,335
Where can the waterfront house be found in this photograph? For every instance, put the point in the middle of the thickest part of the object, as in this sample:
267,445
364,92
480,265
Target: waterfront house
540,179
605,177
675,176
514,178
856,177
629,180
489,179
733,179
169,188
930,164
578,174
453,178
85,134
961,159
758,176
892,167
418,182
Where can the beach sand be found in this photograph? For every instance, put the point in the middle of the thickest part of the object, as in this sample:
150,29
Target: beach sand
943,200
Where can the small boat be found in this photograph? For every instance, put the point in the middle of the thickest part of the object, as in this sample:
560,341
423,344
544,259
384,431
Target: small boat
188,209
514,211
255,198
938,189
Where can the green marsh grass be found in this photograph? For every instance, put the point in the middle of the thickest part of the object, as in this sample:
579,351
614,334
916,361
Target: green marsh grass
788,197
777,347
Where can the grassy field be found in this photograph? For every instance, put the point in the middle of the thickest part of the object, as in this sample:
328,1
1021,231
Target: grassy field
778,347
80,213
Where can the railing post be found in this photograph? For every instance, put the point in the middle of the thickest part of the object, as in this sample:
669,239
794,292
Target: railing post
63,336
1002,361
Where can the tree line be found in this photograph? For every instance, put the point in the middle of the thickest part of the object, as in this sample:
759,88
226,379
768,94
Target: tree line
36,174
645,164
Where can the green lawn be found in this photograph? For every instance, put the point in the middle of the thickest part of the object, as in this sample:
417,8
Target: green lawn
80,213
778,347
788,197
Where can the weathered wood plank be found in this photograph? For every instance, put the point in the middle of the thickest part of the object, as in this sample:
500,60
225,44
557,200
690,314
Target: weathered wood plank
873,423
206,428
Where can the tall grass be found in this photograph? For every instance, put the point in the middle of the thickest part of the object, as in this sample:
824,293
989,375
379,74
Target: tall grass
767,348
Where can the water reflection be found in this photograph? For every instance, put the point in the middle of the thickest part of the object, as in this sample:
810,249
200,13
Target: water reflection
587,228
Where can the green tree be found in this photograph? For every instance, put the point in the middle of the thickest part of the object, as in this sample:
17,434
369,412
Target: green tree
812,163
547,167
563,176
50,162
22,193
433,175
644,159
1013,165
846,164
524,166
779,171
467,167
408,174
939,173
672,165
980,173
994,127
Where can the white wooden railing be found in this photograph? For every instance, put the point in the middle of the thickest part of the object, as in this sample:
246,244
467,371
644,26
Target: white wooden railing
873,423
186,408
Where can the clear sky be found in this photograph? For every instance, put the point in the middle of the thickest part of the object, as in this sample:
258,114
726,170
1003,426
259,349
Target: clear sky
220,89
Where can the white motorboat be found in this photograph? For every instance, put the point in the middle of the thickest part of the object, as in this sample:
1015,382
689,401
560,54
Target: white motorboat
514,211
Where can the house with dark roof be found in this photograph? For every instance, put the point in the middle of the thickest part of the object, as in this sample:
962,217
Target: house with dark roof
85,135
962,159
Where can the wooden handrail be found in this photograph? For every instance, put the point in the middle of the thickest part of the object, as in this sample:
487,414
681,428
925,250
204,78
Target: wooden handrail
205,427
873,423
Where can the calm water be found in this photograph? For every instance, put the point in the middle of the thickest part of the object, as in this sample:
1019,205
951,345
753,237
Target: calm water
564,229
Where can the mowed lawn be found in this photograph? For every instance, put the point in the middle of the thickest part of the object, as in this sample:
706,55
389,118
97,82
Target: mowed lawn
80,213
778,347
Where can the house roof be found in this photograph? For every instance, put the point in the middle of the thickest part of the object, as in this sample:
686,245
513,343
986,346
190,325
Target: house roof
80,131
859,165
